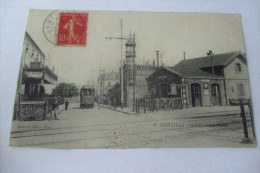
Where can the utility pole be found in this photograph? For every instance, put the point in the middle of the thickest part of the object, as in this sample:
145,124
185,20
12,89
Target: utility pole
121,38
121,71
183,90
134,74
157,56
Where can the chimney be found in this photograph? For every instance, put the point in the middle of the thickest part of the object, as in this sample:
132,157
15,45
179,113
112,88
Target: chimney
210,53
157,55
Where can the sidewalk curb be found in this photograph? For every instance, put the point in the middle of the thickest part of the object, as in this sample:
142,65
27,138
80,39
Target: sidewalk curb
132,113
215,113
179,114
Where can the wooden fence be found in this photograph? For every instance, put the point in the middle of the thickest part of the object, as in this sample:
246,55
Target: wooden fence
149,104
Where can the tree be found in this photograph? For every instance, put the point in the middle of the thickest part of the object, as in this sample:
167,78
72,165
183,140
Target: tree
114,91
65,90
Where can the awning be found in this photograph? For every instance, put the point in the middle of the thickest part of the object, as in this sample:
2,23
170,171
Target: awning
39,74
48,79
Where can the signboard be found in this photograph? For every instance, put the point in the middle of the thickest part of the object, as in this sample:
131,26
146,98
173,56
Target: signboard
174,89
205,85
162,77
35,64
33,74
206,92
204,80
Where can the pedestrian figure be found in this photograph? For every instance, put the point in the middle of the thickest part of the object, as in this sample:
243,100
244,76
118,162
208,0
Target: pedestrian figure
114,102
66,104
55,108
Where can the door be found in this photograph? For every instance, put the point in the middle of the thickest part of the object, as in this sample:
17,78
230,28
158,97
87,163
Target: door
196,94
215,94
163,90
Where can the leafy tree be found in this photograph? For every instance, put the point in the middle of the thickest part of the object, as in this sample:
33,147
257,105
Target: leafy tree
114,91
65,90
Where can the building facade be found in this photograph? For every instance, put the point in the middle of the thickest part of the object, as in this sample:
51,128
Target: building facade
34,72
212,80
30,102
141,73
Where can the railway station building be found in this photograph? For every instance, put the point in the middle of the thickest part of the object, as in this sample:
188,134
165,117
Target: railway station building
212,80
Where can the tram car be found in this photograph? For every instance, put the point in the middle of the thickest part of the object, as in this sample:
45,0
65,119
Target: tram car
87,96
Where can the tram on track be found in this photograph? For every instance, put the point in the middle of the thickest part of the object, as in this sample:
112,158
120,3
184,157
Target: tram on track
87,96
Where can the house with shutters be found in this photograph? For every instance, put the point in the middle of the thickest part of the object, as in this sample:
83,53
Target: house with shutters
212,80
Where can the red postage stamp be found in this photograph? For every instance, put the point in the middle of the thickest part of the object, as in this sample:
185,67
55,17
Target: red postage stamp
72,29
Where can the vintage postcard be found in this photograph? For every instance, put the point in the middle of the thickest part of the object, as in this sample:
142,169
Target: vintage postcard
97,79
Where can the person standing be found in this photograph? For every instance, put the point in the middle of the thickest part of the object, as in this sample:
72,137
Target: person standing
114,102
54,107
66,104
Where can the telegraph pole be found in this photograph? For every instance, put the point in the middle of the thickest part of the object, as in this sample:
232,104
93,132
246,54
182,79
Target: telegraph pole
134,73
122,79
121,38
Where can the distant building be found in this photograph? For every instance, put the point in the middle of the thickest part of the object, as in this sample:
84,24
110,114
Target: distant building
105,82
206,81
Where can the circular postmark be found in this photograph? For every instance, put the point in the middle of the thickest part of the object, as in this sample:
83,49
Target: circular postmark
65,28
50,26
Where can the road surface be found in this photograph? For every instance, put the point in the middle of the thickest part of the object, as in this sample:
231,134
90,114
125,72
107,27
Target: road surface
104,128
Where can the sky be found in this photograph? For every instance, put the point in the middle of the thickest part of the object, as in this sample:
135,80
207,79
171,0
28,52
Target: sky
170,33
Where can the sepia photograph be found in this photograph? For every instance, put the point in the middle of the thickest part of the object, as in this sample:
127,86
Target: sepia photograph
120,80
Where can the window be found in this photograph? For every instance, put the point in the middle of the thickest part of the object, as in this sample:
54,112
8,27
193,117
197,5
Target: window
240,89
215,90
238,67
32,56
196,91
130,74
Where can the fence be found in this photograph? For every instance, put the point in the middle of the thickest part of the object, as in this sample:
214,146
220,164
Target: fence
151,104
32,110
36,110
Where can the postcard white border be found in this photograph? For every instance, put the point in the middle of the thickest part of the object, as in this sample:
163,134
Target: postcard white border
13,17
